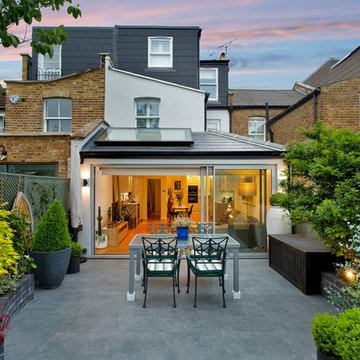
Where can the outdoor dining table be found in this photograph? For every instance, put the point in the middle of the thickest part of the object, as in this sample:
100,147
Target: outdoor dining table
136,247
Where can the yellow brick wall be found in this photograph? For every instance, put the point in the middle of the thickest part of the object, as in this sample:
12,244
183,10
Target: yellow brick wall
86,90
38,149
240,117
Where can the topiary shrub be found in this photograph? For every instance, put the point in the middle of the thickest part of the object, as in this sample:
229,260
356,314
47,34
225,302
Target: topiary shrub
277,199
76,249
52,232
348,340
324,330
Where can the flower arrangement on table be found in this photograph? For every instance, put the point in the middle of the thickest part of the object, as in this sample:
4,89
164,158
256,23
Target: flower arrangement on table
179,197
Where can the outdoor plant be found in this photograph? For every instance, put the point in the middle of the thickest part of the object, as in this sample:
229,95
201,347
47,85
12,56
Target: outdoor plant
76,249
100,237
52,232
4,325
277,199
182,222
338,335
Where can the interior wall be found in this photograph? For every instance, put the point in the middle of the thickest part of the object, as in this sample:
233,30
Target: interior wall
103,196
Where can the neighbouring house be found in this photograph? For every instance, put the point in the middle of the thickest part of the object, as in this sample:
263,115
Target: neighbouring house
249,109
2,109
134,142
332,95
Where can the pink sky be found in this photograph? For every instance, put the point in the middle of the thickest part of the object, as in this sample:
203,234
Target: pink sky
276,43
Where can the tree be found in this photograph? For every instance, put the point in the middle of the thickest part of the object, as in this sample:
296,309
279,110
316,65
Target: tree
12,12
323,185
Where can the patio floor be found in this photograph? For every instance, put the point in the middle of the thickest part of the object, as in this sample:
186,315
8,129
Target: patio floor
88,317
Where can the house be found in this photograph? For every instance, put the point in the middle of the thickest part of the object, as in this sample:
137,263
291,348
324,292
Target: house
2,110
331,94
248,109
138,139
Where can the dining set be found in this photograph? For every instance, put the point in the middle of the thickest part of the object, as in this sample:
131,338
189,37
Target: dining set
161,255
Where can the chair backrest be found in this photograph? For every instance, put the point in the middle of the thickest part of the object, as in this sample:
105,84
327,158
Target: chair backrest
160,248
210,249
202,228
162,228
190,211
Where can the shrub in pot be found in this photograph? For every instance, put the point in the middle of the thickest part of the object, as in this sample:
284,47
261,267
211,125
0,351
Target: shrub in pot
277,218
50,247
74,264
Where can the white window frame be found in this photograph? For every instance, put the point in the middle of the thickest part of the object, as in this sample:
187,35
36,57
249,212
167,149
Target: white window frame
207,84
51,74
2,122
57,117
170,53
214,121
257,119
147,117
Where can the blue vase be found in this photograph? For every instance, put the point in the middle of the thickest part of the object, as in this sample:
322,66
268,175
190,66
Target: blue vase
182,233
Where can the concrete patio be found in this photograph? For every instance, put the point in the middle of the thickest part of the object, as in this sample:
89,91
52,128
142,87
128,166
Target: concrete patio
88,317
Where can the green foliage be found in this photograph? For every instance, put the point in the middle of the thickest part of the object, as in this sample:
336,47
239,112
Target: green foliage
8,283
323,184
8,255
324,329
338,335
99,218
278,199
12,12
20,225
348,342
52,232
76,249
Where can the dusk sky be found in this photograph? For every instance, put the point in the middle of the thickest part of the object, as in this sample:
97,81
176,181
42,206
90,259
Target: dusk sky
276,42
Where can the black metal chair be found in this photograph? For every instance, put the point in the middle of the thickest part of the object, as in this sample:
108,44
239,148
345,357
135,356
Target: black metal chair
190,211
207,259
160,258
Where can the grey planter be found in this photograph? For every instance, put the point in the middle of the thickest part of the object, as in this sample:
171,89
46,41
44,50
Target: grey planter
74,266
321,356
51,267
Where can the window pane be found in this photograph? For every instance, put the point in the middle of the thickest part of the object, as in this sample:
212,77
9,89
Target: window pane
52,108
259,127
141,123
154,123
33,169
65,108
211,89
141,108
207,76
161,46
65,125
154,109
160,60
53,125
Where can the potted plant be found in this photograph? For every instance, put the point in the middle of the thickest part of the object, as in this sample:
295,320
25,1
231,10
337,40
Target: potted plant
101,240
74,264
182,224
277,218
337,337
50,247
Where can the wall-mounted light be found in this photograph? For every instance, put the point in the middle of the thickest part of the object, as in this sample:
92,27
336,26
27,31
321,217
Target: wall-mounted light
3,155
85,182
350,275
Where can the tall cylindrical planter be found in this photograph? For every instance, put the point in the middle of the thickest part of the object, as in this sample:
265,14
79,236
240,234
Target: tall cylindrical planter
182,233
278,221
51,267
74,266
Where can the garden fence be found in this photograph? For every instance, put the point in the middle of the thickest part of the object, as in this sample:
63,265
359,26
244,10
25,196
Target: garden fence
40,191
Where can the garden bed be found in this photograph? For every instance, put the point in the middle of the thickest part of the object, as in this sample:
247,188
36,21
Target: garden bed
14,301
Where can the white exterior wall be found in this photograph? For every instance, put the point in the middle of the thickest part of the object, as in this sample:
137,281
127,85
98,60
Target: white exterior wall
222,115
179,106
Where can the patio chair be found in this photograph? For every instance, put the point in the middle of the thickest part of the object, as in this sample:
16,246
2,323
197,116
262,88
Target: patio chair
207,259
160,258
190,211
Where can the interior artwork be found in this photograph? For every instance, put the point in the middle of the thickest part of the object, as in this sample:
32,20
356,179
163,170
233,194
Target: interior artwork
177,185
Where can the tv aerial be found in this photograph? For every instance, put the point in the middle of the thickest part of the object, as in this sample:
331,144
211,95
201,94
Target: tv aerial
222,46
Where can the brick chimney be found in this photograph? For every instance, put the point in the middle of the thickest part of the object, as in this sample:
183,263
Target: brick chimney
26,63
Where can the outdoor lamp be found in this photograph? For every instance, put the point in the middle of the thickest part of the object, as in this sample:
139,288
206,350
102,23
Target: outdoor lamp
349,274
85,182
3,155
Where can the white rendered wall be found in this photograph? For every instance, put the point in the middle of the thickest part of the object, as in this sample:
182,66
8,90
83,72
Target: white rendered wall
179,106
222,115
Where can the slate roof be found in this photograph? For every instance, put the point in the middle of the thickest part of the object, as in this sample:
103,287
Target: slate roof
206,144
335,70
2,99
279,98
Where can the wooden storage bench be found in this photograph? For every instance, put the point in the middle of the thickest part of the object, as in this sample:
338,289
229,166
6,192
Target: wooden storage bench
117,233
300,261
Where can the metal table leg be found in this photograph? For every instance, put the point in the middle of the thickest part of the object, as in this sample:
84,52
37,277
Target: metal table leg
236,292
131,294
138,260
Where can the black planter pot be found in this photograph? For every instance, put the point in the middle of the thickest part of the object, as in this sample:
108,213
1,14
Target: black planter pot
321,356
51,267
74,266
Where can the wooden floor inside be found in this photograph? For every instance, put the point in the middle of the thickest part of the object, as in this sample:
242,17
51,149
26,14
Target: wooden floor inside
142,228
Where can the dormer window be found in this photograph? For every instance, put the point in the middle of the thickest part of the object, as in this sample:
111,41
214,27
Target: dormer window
209,82
50,68
160,51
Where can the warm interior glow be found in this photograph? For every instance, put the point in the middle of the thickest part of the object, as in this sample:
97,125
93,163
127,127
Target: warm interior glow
350,275
247,188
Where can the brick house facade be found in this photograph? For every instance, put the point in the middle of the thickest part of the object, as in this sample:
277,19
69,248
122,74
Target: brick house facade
25,139
334,98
